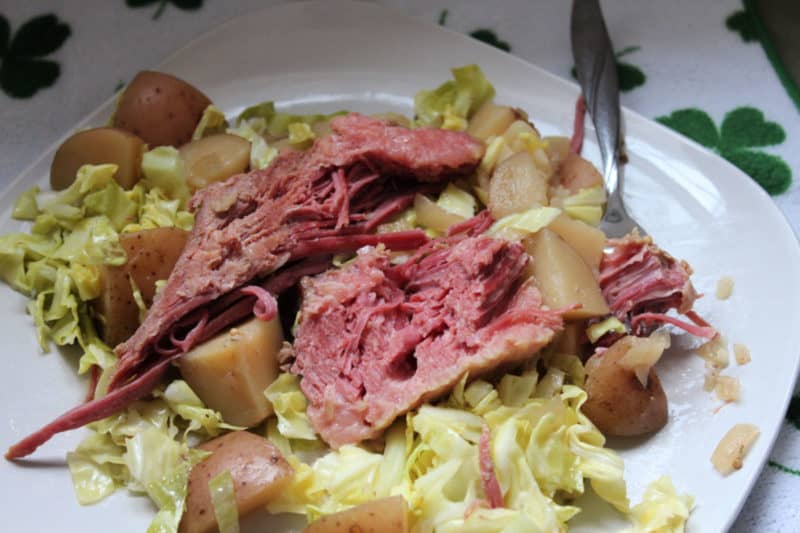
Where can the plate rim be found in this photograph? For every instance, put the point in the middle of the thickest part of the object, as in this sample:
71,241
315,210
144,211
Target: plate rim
629,116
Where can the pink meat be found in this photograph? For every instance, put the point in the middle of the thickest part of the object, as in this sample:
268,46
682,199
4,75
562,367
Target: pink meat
376,340
641,283
292,215
491,487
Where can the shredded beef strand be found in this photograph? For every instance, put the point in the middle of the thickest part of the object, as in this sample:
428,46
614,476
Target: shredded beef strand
92,410
576,142
491,487
706,332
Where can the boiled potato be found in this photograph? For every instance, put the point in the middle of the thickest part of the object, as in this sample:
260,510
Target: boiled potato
214,158
618,404
431,215
387,515
491,119
516,186
557,149
97,146
161,109
518,138
512,133
259,473
587,240
562,276
151,255
576,173
571,339
230,372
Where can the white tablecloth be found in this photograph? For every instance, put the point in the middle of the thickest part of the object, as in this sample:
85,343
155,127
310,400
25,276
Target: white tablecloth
679,55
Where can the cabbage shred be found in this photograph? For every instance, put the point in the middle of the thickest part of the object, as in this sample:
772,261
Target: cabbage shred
543,449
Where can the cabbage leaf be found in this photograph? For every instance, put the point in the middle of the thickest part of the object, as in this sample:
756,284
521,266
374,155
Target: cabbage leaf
543,450
290,407
662,509
223,498
146,449
452,103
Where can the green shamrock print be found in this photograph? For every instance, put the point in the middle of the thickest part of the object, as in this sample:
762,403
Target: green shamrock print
24,69
742,23
628,76
742,129
490,37
793,414
188,5
485,35
783,468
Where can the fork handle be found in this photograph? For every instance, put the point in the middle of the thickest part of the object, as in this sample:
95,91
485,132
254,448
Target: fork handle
596,69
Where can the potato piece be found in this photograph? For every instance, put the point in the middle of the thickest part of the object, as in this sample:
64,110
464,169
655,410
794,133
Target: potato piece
151,255
259,473
491,119
214,158
512,134
557,149
386,515
617,402
161,109
571,338
94,147
431,215
516,186
576,173
230,372
563,277
587,240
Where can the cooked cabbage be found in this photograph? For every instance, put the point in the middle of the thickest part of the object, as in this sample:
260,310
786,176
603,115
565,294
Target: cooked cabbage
543,448
146,449
453,102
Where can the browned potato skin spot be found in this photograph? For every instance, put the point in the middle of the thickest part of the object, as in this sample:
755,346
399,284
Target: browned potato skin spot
259,473
151,256
385,515
576,173
161,109
617,402
94,147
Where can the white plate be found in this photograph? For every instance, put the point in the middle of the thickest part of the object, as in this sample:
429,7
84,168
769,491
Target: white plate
332,55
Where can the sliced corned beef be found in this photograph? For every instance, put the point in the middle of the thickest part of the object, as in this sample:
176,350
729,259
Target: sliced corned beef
641,282
375,340
269,227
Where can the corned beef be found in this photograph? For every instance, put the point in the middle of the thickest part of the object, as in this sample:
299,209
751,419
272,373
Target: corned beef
375,340
641,282
276,224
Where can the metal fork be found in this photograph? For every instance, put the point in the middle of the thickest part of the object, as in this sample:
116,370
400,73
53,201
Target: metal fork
597,74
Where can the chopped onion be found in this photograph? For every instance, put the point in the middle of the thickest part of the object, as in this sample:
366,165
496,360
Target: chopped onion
724,288
741,353
644,353
730,452
715,352
727,388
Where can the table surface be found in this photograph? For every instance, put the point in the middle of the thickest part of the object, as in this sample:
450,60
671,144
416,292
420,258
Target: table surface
710,57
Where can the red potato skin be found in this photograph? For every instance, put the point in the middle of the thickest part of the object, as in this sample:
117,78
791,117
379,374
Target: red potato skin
617,402
160,109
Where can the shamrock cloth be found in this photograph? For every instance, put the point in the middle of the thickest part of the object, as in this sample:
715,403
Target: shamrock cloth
700,68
